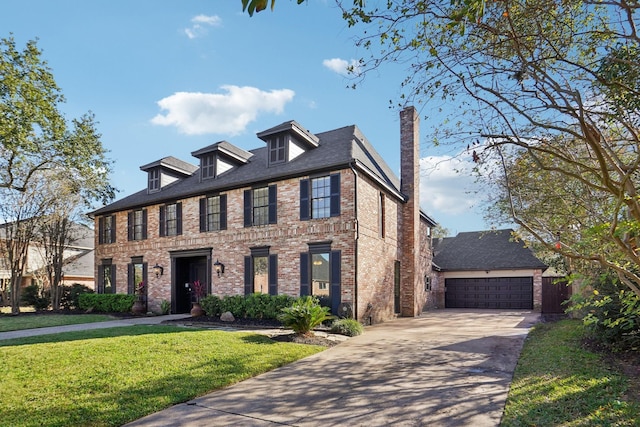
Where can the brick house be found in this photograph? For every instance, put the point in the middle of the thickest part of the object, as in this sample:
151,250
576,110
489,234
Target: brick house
318,214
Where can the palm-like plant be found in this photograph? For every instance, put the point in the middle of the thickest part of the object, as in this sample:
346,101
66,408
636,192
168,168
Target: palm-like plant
304,314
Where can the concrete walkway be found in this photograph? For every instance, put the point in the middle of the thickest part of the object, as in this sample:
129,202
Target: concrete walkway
447,368
151,320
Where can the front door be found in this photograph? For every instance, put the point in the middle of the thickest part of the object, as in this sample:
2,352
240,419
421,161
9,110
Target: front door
187,270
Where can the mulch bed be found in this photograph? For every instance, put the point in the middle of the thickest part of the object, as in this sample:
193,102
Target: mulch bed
213,321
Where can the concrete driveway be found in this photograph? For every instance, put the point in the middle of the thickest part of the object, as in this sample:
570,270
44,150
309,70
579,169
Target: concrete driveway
449,367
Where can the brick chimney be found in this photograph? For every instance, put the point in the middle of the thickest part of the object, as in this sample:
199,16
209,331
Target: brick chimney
410,217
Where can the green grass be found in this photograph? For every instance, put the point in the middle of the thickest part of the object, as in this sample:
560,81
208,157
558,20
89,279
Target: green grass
15,323
558,383
109,377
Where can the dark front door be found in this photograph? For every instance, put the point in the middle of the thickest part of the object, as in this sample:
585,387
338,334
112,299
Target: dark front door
187,270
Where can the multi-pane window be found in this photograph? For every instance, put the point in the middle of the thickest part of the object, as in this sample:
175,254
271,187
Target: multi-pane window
261,272
320,277
137,226
107,229
171,219
320,274
277,149
154,180
213,213
207,166
260,206
106,277
137,277
320,197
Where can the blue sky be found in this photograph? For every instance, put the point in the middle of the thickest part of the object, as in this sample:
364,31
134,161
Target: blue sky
169,77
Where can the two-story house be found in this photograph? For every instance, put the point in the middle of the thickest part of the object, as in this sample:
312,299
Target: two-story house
306,214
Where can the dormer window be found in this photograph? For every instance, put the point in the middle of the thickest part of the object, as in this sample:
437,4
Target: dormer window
154,180
208,166
277,149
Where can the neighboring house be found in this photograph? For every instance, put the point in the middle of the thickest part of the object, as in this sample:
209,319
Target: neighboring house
78,262
487,269
308,213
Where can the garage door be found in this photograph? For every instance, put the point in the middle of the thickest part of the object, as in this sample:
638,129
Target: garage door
495,292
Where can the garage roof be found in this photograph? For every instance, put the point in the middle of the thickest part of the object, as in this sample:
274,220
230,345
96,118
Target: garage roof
483,250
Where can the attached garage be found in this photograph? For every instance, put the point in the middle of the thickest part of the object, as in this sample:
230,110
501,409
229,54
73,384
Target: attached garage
488,269
493,292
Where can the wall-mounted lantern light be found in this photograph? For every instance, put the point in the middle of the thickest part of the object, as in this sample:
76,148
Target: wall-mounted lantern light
158,270
218,267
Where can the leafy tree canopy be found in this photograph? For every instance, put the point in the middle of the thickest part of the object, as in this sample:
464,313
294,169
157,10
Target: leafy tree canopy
35,136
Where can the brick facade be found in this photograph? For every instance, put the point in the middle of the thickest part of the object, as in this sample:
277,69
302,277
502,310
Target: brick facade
376,231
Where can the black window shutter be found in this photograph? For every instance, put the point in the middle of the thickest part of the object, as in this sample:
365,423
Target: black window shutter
273,205
130,226
273,274
248,220
179,218
161,223
100,230
130,279
203,214
304,273
113,229
101,279
223,212
304,200
336,278
248,276
335,195
144,223
113,279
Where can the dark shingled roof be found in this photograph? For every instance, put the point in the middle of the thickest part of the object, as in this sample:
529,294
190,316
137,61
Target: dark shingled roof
483,250
337,149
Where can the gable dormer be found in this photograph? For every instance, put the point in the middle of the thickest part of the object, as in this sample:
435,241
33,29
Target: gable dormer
220,157
165,171
287,141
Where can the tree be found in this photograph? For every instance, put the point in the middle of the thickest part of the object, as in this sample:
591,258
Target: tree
552,85
58,231
36,143
22,214
34,134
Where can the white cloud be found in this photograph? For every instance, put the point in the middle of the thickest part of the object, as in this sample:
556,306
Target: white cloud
447,185
196,113
341,66
199,25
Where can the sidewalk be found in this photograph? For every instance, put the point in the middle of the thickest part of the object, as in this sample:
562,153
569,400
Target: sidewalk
147,320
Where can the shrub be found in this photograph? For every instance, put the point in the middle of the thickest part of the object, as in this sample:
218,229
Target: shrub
254,306
106,303
212,305
304,314
36,297
348,327
70,295
612,313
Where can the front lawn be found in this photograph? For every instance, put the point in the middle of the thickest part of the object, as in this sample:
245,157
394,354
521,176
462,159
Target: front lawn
31,321
558,382
109,377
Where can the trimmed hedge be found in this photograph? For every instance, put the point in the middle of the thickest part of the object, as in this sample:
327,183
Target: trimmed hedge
254,306
106,303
